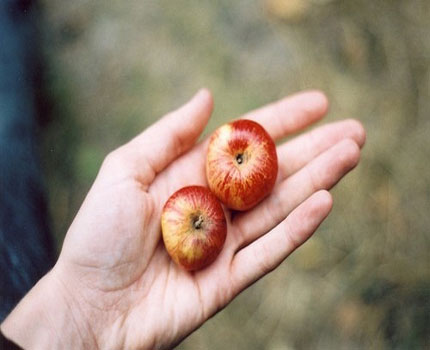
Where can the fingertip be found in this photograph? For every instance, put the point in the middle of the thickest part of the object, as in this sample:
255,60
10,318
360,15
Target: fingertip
351,152
205,92
360,132
197,109
204,100
318,101
318,207
325,200
204,95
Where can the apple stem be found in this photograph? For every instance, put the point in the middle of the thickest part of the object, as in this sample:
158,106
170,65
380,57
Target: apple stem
198,223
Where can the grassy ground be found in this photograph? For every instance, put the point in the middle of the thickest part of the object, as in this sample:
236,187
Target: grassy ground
114,67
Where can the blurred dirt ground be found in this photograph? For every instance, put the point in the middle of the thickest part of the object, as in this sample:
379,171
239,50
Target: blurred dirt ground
363,281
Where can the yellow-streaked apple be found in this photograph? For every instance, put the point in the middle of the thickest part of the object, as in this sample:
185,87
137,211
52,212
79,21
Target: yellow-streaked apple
194,227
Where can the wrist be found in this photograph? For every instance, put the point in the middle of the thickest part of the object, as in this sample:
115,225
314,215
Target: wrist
47,319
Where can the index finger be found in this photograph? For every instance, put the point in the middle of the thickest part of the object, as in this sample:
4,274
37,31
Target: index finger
291,114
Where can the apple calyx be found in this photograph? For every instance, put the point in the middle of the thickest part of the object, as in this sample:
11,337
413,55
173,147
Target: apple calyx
198,222
239,158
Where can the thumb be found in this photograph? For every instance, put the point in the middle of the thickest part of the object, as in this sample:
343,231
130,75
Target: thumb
156,147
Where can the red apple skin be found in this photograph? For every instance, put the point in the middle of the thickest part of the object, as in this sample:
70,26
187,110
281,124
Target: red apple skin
241,164
194,227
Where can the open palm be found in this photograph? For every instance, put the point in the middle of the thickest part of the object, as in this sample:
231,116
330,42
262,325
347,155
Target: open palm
114,270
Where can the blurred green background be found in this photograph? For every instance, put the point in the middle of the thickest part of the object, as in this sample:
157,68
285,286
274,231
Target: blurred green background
111,68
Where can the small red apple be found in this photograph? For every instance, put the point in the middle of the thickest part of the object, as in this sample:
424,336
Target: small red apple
194,227
241,164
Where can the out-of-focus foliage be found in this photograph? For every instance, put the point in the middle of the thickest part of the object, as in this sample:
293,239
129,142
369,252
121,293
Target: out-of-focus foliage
114,67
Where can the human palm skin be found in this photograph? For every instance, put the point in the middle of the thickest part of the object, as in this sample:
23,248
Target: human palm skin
114,285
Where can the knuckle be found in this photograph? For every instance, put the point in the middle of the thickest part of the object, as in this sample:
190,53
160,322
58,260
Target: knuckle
110,158
113,160
290,236
314,184
264,257
240,236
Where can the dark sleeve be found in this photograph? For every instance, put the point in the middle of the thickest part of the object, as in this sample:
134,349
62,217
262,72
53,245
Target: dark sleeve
6,344
26,247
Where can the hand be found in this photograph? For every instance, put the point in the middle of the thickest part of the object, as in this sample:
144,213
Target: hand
115,287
